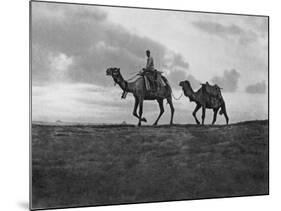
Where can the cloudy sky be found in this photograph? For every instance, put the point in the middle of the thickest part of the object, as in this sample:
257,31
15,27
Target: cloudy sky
72,45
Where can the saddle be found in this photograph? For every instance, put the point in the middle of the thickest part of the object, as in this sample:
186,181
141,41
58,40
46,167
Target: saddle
212,90
153,80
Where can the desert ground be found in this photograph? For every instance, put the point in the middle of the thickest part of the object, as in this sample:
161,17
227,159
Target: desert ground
81,165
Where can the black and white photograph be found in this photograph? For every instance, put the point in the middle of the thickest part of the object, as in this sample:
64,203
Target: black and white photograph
135,105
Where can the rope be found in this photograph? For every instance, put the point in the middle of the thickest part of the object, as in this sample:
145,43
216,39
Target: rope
178,97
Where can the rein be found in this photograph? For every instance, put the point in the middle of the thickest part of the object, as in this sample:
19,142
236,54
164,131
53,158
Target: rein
133,77
126,86
125,92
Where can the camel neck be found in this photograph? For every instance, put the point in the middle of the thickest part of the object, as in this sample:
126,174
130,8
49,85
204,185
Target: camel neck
190,94
192,97
124,85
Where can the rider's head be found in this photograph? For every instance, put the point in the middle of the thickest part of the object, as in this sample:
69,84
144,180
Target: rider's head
147,53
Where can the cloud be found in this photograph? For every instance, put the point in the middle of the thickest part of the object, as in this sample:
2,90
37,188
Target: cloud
88,102
228,81
174,62
175,77
259,87
227,31
59,66
71,48
179,62
217,28
72,45
259,24
61,62
82,41
80,102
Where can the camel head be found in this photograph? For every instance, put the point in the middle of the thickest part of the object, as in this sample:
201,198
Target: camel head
112,71
186,87
115,73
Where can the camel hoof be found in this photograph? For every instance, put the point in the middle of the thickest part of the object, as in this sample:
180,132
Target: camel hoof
139,124
171,123
155,124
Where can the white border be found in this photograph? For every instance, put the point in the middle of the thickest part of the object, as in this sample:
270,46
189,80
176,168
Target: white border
15,104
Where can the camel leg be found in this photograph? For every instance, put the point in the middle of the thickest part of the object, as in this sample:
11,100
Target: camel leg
194,113
160,102
169,100
140,111
136,107
215,116
135,110
225,114
203,114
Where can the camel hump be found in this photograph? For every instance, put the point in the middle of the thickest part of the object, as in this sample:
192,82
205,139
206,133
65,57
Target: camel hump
213,90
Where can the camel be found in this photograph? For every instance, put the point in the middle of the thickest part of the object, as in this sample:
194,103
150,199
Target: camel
138,89
204,100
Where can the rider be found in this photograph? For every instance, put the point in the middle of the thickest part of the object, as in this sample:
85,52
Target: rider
150,68
153,76
149,62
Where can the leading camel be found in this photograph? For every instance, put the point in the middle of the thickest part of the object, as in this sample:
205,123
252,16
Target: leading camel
138,89
204,100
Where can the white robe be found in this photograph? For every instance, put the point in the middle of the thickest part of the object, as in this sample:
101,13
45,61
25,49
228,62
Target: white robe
150,64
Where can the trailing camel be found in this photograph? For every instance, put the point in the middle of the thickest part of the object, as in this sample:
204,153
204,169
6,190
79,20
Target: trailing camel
205,99
140,93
